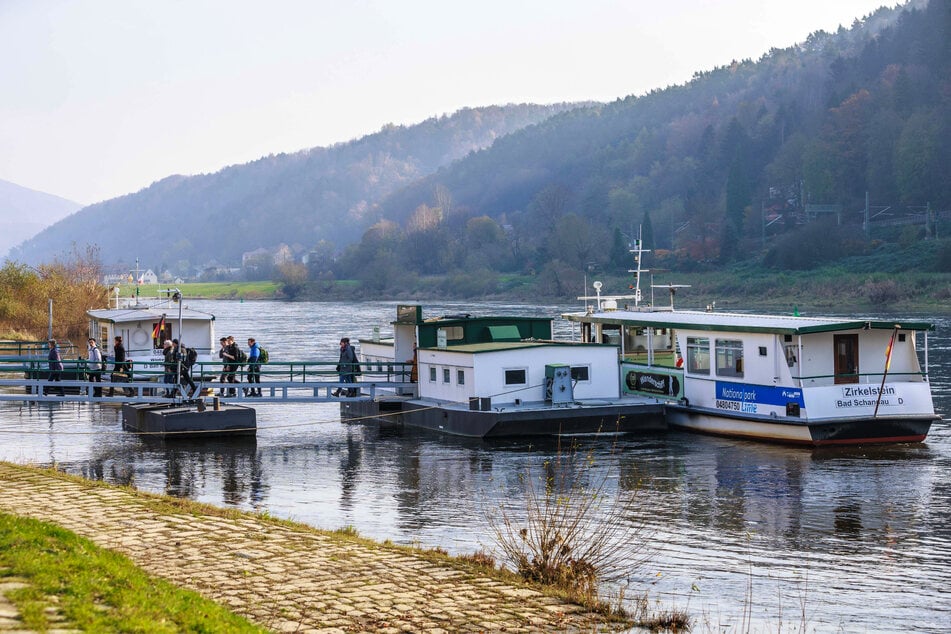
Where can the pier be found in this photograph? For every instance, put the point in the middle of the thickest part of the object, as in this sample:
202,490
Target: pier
27,379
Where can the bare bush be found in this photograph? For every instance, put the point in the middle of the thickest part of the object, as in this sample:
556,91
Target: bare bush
572,529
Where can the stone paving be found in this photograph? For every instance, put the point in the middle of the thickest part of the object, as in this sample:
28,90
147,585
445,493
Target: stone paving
287,578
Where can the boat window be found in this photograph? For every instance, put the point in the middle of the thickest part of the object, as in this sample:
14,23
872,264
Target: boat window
460,377
580,372
515,377
432,374
729,357
698,355
611,335
445,375
453,333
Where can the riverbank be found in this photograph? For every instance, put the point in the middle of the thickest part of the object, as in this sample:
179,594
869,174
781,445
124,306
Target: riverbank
285,576
830,289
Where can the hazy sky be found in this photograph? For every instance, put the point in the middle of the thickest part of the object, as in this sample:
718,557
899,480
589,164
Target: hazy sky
103,97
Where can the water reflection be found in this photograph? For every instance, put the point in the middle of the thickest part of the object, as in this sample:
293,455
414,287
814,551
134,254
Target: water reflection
862,533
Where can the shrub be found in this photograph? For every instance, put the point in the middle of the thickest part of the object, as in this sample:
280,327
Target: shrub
573,531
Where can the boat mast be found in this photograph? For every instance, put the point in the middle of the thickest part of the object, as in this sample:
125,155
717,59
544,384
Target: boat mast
638,251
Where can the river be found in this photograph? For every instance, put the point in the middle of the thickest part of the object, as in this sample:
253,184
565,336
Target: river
743,536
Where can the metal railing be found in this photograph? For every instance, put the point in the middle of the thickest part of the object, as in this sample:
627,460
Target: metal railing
27,378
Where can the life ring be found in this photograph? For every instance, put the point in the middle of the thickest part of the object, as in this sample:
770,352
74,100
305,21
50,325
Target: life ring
680,362
139,337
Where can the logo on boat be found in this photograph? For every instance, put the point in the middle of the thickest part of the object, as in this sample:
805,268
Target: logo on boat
652,383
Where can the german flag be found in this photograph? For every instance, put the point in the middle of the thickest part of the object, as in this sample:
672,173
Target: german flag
159,327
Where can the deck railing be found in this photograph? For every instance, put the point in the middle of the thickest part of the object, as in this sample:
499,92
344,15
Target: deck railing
280,380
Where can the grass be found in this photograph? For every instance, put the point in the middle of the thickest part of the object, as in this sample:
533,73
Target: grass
210,290
474,566
95,589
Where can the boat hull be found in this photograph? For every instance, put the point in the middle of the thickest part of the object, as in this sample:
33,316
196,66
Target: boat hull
644,416
838,431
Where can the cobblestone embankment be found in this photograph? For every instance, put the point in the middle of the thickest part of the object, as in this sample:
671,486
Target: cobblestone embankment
287,578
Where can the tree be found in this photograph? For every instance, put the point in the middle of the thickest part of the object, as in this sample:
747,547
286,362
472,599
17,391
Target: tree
292,277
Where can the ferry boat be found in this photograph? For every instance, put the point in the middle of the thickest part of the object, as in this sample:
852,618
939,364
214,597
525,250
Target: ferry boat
499,376
145,323
791,379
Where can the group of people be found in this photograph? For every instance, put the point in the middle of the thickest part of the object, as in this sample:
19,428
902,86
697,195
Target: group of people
233,358
177,370
95,365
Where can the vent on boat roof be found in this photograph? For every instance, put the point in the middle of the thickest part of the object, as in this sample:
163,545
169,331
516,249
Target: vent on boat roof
504,333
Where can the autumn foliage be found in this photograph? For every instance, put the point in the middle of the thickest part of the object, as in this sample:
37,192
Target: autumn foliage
73,286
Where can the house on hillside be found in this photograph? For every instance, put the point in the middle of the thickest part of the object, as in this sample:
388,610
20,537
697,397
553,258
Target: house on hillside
117,276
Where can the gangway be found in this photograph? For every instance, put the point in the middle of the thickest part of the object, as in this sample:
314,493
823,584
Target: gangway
26,378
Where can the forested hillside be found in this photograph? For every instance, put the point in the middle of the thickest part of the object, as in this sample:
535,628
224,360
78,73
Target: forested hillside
323,194
768,160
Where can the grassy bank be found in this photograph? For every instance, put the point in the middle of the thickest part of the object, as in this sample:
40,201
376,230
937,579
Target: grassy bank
97,590
831,289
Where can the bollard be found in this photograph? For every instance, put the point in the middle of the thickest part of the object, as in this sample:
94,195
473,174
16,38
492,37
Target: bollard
216,404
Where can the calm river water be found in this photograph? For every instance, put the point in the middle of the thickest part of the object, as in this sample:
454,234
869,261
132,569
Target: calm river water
847,539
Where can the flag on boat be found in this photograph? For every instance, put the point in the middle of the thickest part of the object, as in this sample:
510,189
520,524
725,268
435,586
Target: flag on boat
159,327
888,350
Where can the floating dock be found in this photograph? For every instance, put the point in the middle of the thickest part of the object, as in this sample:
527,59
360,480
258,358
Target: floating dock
190,419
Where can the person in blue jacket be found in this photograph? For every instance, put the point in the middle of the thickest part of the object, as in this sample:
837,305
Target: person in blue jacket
254,368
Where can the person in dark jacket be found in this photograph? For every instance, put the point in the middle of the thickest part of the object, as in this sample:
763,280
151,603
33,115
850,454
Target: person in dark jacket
120,367
169,366
181,367
347,366
56,365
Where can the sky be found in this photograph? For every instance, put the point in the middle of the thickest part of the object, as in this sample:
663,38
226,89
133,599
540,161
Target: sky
100,98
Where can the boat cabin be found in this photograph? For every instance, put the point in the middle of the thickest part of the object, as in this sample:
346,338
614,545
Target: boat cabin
144,324
508,360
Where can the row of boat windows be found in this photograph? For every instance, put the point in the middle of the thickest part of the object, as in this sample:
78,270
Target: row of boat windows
728,356
514,376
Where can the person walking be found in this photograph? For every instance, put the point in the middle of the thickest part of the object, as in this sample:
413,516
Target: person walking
225,356
168,365
181,369
254,368
56,365
347,367
94,367
120,367
234,353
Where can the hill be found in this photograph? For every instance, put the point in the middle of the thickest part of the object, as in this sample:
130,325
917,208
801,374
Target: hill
770,160
323,194
25,212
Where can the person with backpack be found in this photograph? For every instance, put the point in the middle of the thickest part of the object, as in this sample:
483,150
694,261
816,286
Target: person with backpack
240,358
180,358
224,353
254,368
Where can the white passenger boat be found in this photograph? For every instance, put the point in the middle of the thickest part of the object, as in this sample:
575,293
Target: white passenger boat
500,376
144,323
794,379
805,380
